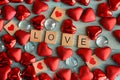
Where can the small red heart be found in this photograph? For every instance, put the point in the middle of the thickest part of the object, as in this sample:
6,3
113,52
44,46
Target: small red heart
39,66
11,27
58,14
92,61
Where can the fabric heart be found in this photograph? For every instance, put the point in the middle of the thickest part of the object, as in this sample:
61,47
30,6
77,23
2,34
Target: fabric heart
29,1
16,1
69,2
108,23
9,41
1,24
39,66
38,22
114,4
112,72
22,12
68,27
15,54
92,61
75,13
4,72
75,76
116,34
64,74
44,50
99,75
103,53
64,53
11,27
85,73
2,2
93,32
58,14
39,7
85,53
22,37
116,58
84,2
27,58
52,63
44,76
88,15
103,10
118,19
14,74
8,12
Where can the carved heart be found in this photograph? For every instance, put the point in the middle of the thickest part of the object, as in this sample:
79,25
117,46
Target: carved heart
58,14
92,61
11,27
39,66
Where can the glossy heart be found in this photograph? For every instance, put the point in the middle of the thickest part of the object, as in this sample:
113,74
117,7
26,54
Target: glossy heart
75,76
4,2
16,1
88,15
56,0
44,50
11,27
85,53
29,1
69,2
75,13
64,53
114,4
39,66
68,27
84,2
116,34
118,19
92,61
1,24
39,7
58,14
93,32
103,53
116,58
108,23
103,10
44,76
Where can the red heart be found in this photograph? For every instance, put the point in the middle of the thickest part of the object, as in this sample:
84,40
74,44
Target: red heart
64,53
75,13
103,53
75,76
1,24
44,76
58,14
69,2
116,34
114,4
16,1
108,22
29,1
92,61
116,58
84,2
39,65
4,2
11,27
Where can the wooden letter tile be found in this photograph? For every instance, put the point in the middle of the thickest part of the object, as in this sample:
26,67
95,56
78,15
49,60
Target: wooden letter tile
36,36
11,27
51,37
83,41
67,39
58,14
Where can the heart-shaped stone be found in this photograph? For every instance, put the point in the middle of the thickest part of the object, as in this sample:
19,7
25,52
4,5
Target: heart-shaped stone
1,24
58,14
68,27
39,7
85,53
44,50
16,1
64,53
92,61
22,37
9,41
75,13
93,32
103,10
69,2
103,53
8,12
116,34
116,58
39,65
114,4
88,15
11,27
15,54
22,12
44,76
38,22
52,63
4,2
85,73
27,58
84,2
108,23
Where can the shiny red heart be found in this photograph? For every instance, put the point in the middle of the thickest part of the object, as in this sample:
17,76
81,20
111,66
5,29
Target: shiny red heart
44,76
75,13
116,58
56,0
39,65
103,10
114,4
93,32
108,23
68,27
116,34
1,24
88,15
16,1
22,12
58,14
103,53
69,2
85,53
92,61
44,50
64,53
29,1
11,27
39,7
4,2
75,76
84,2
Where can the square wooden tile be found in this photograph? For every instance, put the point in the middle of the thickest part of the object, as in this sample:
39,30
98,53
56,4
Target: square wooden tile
67,39
36,36
40,66
51,37
58,14
11,27
83,41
